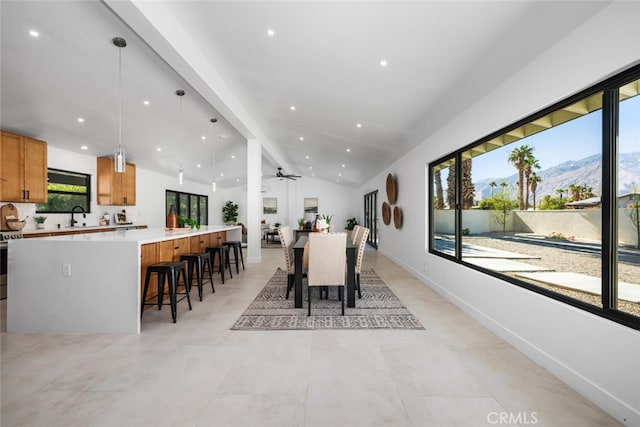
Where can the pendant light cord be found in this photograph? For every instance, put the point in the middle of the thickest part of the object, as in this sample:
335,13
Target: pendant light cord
120,90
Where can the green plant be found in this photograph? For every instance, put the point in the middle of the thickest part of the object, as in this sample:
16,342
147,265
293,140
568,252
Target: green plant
182,221
327,219
466,232
351,222
39,219
301,222
230,212
277,225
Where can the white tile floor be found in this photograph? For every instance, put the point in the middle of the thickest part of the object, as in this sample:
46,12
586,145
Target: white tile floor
197,372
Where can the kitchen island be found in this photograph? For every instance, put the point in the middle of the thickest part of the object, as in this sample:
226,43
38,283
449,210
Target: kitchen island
90,283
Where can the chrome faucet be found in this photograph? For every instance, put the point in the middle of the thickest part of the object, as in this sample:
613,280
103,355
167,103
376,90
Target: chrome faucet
73,210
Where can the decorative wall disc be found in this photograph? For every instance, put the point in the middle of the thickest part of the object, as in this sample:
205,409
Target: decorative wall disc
397,217
391,189
386,213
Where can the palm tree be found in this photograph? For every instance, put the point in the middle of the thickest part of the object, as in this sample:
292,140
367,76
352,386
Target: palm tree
560,191
451,187
530,163
492,184
439,192
518,159
575,191
534,179
468,189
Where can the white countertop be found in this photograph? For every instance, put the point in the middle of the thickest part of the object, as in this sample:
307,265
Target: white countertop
142,236
78,228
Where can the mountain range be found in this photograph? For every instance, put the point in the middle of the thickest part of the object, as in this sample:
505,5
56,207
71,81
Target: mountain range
587,171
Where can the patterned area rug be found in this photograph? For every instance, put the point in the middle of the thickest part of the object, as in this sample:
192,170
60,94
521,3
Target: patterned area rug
379,308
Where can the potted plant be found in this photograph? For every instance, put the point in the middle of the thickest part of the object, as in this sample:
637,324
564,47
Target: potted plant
184,221
276,225
230,213
351,223
301,223
327,220
39,219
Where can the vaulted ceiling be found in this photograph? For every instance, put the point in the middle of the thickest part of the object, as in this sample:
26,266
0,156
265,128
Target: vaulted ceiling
368,80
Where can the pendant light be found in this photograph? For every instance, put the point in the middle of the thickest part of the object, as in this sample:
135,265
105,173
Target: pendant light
180,94
119,158
213,144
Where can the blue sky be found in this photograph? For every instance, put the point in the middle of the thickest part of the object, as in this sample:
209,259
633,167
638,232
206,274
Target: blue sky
573,140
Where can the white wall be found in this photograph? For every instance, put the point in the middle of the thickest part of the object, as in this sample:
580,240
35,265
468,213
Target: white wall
597,357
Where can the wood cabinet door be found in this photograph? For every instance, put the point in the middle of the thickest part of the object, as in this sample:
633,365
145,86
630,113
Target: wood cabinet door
35,170
104,184
12,168
129,185
181,247
148,256
165,250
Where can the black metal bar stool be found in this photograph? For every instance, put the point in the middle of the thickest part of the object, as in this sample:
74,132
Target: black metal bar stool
171,270
223,257
198,262
237,247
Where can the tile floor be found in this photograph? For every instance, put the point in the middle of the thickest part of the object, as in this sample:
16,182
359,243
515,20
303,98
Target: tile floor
197,372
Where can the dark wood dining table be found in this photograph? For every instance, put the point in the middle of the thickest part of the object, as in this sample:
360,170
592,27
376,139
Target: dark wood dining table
298,254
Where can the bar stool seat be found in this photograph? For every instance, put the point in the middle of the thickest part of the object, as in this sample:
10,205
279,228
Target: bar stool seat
171,270
237,247
198,261
222,253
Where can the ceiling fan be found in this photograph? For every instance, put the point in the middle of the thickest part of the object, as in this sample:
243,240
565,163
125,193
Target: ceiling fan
281,175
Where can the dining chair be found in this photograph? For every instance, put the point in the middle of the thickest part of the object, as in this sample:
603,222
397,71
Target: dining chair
354,233
286,240
361,243
327,263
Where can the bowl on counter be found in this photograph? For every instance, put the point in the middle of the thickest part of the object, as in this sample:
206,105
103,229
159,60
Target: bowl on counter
15,224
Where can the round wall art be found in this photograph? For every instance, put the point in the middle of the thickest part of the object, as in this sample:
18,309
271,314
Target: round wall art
397,217
386,213
391,189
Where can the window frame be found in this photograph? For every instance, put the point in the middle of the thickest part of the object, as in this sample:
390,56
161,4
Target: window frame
87,178
188,196
609,213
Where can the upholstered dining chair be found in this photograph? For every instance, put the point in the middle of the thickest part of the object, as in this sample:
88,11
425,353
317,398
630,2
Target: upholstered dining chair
327,263
286,240
361,242
354,233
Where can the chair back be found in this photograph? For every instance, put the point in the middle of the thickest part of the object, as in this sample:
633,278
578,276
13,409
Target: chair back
286,240
361,243
354,233
327,259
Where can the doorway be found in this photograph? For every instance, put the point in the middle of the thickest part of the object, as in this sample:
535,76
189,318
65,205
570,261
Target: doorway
371,217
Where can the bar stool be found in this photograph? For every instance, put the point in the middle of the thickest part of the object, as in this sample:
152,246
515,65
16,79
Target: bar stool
236,246
199,262
171,270
223,257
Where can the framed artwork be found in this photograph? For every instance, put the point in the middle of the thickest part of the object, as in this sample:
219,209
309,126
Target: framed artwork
311,205
269,205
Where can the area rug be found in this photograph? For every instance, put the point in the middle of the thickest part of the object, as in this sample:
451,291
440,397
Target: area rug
379,308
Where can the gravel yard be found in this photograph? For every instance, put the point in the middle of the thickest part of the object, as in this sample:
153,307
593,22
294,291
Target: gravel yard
565,260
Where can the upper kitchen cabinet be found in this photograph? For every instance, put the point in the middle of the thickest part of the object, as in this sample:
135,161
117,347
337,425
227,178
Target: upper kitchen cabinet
23,169
114,188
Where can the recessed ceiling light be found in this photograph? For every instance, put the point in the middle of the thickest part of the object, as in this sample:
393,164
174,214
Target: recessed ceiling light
145,102
271,33
344,166
237,179
348,150
203,137
358,125
306,157
233,156
313,174
84,147
302,138
80,120
293,108
158,149
383,63
34,33
221,173
339,174
198,165
337,180
310,167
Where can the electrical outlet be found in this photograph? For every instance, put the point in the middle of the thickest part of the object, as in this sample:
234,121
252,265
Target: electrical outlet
66,270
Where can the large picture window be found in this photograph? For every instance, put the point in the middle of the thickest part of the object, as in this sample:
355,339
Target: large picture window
65,190
194,206
551,203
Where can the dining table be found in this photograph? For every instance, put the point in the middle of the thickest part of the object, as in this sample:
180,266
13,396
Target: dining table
298,254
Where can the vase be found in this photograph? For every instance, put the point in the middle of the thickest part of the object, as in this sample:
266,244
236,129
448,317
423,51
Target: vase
40,225
172,217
